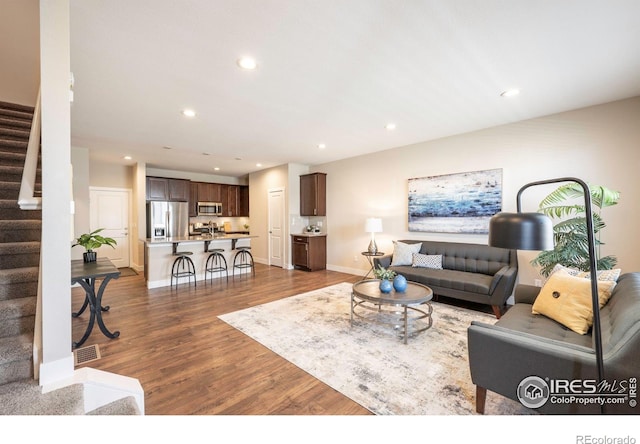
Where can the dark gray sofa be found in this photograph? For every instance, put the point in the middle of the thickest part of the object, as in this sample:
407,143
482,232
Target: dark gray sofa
521,345
471,272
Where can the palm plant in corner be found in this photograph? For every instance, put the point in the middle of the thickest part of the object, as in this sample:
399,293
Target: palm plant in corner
91,241
570,233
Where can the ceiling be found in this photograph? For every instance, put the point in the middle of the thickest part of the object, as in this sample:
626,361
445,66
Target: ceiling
332,72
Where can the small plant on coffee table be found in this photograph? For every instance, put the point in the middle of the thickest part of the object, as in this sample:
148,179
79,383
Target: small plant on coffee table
384,273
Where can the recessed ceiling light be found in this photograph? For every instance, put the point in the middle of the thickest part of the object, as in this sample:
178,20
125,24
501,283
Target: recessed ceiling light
127,157
258,165
216,168
390,126
247,63
188,113
510,92
322,146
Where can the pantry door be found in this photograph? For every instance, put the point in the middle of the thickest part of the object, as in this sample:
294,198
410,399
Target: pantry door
109,209
276,227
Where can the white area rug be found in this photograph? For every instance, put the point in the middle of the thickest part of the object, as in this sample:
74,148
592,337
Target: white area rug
369,363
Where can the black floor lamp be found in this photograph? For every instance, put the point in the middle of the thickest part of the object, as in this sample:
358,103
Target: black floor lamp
534,231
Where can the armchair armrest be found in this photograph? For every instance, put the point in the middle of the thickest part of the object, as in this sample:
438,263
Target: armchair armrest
526,294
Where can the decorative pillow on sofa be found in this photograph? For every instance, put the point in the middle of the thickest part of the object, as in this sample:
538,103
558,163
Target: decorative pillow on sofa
403,253
427,261
603,275
567,300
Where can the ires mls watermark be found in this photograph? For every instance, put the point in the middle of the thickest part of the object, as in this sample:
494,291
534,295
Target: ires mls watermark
534,392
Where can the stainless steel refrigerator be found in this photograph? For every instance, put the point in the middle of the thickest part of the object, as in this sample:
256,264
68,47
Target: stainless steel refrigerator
167,219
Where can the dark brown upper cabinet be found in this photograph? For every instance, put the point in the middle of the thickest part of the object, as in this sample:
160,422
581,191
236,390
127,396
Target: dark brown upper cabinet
313,194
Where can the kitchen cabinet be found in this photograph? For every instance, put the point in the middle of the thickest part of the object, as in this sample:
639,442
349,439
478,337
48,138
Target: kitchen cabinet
235,200
243,205
309,252
193,199
208,192
179,190
313,194
157,188
161,188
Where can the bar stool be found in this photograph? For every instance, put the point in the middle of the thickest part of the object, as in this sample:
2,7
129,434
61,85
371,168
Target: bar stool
216,263
183,267
243,259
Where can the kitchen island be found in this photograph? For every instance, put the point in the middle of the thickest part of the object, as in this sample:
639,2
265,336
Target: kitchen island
159,254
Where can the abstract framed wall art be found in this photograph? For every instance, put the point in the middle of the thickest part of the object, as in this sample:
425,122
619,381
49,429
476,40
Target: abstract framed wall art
455,203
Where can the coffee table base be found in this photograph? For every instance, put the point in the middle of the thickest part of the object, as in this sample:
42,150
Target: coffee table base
408,319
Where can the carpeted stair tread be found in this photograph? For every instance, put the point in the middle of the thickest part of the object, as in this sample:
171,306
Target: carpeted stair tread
13,145
18,283
26,398
20,230
19,248
124,406
15,308
9,209
11,158
17,275
16,107
16,348
8,122
14,133
19,255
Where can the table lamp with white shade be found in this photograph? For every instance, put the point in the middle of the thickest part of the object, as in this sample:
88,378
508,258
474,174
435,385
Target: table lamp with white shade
373,225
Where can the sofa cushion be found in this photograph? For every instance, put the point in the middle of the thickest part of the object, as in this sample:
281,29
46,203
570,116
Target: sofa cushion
427,261
520,318
403,253
453,279
567,300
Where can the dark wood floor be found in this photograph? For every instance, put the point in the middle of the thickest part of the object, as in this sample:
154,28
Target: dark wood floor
191,363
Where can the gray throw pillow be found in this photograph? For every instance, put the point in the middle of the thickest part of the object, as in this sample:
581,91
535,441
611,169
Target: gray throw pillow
403,253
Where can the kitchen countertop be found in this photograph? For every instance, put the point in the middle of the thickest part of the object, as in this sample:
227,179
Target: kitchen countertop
306,234
197,238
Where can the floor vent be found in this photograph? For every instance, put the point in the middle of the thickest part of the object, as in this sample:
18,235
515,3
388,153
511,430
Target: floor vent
86,354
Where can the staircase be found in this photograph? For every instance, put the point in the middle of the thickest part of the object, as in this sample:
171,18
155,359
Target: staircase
19,249
20,233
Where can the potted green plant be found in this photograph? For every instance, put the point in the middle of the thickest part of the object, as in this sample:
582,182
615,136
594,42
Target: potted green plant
570,232
386,276
91,241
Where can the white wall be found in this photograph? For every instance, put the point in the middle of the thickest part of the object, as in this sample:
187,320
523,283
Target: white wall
259,185
597,144
20,49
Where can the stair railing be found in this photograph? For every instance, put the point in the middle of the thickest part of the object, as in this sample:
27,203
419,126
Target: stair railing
27,198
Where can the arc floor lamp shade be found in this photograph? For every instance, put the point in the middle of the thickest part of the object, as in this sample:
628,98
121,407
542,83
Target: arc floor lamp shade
521,231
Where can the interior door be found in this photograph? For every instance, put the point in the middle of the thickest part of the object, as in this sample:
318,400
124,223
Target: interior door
109,209
276,227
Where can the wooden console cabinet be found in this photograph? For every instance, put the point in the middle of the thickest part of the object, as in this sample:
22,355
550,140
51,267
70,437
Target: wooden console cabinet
309,252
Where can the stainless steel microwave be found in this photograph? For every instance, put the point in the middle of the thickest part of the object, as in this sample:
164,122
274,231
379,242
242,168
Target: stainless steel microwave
209,209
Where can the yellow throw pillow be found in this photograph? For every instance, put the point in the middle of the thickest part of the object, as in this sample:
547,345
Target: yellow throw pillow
567,300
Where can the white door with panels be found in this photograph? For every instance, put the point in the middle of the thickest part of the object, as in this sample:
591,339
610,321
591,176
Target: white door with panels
276,227
109,209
